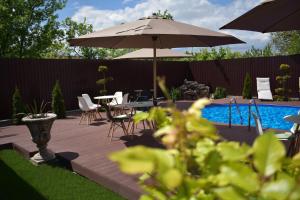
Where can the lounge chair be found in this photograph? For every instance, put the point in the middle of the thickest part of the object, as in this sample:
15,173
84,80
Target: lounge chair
90,104
87,113
263,89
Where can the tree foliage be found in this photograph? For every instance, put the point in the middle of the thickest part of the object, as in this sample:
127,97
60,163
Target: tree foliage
72,29
286,43
28,28
165,14
255,52
227,53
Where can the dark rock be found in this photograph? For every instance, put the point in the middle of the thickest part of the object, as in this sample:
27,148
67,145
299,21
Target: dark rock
192,90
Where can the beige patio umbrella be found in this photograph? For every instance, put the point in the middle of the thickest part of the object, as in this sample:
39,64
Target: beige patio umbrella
154,32
148,54
269,16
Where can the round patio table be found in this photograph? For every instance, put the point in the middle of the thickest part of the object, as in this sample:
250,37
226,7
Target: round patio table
105,97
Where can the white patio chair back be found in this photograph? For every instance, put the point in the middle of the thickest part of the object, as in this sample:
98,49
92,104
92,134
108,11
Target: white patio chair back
259,129
264,89
125,98
88,100
83,104
118,99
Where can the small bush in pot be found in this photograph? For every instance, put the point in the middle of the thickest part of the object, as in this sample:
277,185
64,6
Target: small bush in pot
39,124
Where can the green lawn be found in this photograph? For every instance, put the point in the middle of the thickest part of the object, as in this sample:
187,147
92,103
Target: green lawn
19,179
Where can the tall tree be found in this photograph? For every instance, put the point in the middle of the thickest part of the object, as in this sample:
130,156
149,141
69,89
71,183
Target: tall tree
28,28
286,43
72,29
255,52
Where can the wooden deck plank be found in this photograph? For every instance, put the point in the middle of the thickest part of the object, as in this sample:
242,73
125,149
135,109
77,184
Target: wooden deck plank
86,147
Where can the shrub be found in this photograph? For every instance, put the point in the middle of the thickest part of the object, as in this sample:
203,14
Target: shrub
104,80
175,94
282,91
247,94
220,93
17,107
58,103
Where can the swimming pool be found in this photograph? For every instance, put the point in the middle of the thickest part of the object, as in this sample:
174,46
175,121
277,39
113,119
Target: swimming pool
271,115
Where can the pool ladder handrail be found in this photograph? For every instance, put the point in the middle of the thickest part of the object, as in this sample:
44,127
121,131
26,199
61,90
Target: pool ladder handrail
252,102
233,100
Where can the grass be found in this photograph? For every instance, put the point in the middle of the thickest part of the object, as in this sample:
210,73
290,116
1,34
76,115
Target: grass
19,179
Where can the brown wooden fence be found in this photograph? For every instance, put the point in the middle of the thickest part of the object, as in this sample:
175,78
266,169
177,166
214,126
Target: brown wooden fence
36,77
230,73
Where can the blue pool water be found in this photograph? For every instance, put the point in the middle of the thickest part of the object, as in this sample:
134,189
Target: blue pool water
271,115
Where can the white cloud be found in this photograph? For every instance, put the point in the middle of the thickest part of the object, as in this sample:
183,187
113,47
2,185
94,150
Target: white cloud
202,13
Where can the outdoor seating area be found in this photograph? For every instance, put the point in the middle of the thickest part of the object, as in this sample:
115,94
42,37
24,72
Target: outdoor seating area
116,113
119,110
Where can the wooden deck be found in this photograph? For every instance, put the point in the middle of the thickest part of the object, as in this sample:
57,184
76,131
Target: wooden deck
86,147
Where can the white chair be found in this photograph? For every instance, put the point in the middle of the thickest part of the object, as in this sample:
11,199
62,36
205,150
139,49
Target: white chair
116,121
264,89
120,108
125,98
117,100
87,113
260,131
90,104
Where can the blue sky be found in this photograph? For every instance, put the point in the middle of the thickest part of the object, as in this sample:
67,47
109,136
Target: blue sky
73,5
211,14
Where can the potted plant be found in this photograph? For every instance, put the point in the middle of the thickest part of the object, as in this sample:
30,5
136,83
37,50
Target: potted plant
39,124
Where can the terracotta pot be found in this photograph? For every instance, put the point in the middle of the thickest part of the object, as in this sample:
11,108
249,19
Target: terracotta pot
40,133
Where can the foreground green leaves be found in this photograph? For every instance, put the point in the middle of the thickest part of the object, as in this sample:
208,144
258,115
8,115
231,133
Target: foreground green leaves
268,154
198,165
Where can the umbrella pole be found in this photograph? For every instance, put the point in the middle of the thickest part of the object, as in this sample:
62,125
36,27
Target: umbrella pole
154,71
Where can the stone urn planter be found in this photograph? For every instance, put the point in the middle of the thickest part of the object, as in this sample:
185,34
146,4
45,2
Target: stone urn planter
39,128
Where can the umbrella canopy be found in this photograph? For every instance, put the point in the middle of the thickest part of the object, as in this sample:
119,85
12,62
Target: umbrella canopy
269,16
148,54
154,32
